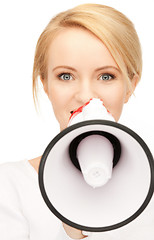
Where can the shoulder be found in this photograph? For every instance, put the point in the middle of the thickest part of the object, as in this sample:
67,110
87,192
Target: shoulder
18,168
8,185
17,180
8,169
16,175
10,173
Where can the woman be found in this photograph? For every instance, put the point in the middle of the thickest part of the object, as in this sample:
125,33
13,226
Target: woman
88,51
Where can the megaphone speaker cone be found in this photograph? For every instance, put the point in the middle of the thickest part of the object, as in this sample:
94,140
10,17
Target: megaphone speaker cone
112,205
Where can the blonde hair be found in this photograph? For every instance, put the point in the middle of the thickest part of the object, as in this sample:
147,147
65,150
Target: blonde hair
112,27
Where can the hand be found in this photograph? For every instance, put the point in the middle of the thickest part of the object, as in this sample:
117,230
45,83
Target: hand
73,232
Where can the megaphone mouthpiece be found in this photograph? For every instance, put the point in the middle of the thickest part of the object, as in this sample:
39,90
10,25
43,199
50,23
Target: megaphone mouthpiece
93,109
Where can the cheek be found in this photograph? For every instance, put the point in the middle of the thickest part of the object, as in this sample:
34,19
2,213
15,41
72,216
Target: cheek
55,94
117,108
114,102
59,101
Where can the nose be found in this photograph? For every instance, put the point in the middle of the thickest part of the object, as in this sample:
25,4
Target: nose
85,91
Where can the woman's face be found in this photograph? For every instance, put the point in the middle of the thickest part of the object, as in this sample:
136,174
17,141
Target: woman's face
80,67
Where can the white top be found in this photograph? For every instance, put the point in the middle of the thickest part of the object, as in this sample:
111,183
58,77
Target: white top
23,212
25,216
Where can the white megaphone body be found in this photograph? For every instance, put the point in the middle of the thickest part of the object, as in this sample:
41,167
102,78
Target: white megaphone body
96,175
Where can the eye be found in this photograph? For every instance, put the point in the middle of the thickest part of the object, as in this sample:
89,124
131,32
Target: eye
65,76
107,77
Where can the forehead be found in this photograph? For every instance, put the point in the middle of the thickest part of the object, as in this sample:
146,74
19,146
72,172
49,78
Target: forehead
72,46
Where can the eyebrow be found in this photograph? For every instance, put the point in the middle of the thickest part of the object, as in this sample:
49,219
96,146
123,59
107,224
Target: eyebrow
63,66
96,70
106,67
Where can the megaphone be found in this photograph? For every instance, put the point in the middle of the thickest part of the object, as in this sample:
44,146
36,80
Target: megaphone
96,175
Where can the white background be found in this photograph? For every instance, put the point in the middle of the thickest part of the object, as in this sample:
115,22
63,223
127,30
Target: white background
23,132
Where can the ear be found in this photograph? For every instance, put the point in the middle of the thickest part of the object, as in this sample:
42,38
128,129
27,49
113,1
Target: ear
132,87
